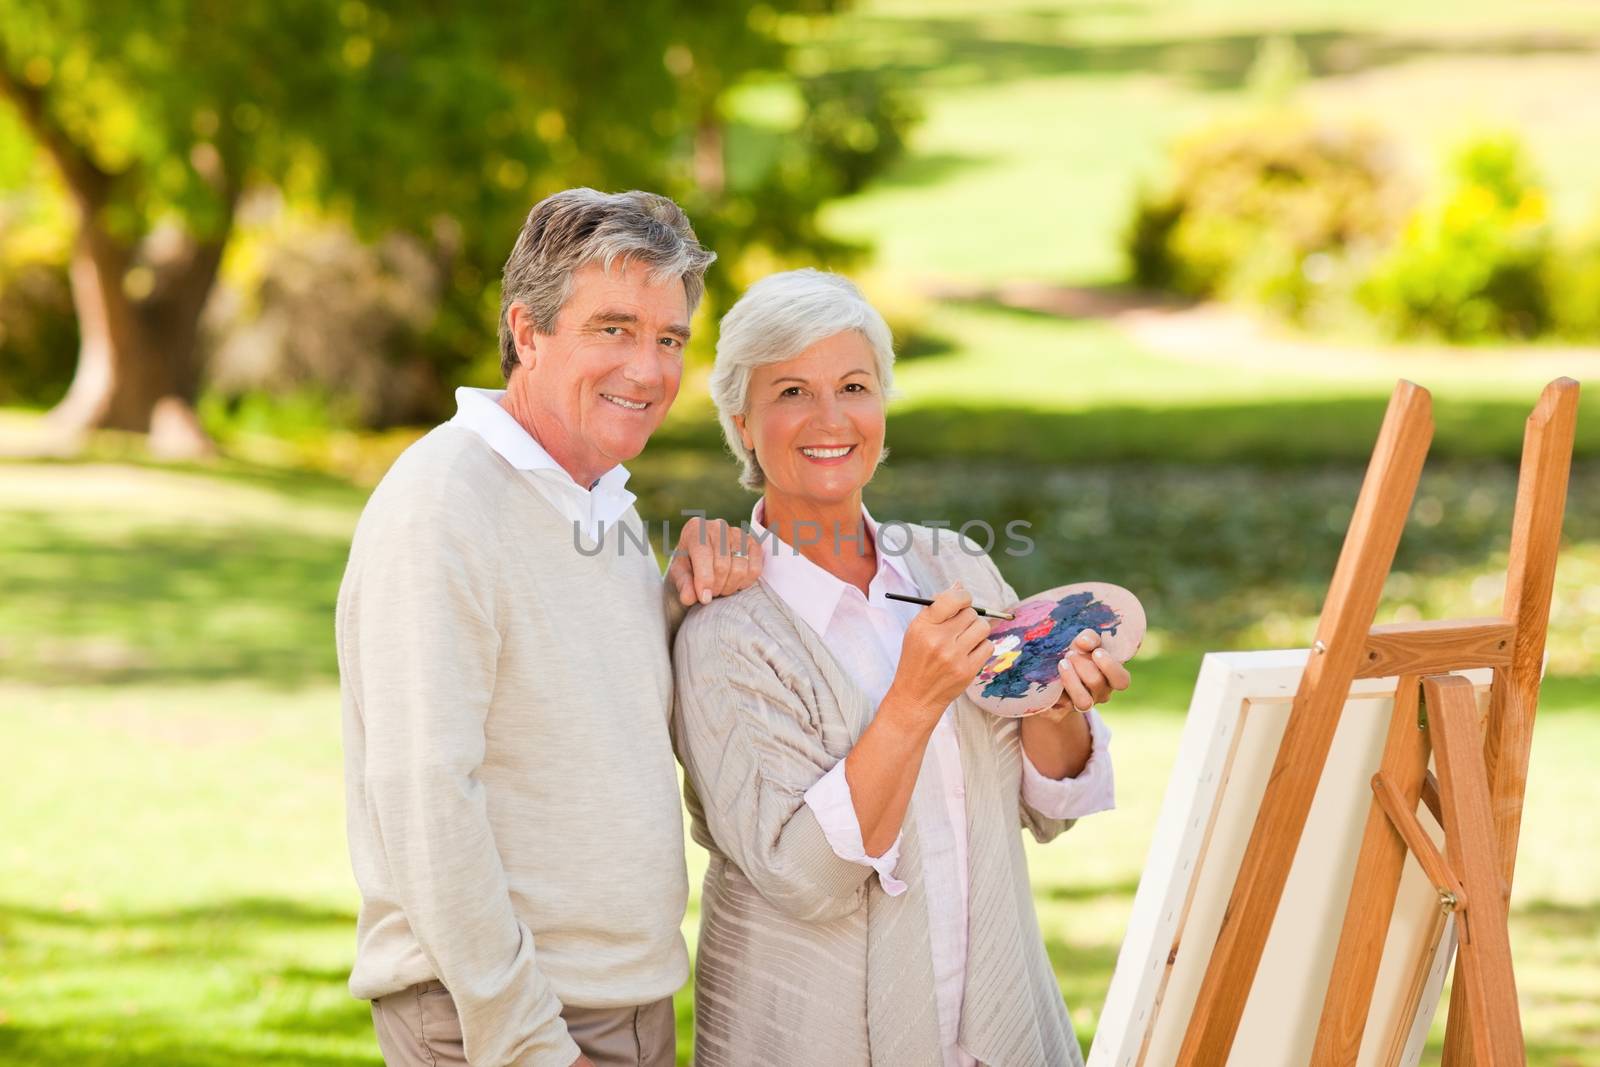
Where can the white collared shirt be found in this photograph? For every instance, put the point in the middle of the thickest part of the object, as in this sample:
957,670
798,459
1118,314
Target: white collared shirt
865,633
592,509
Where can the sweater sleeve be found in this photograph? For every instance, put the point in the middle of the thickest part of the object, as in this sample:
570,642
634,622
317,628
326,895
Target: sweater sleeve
425,646
750,749
675,610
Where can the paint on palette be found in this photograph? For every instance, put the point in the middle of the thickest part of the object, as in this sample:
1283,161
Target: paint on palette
1029,648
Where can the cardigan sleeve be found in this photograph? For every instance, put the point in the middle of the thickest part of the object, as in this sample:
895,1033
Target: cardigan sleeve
751,747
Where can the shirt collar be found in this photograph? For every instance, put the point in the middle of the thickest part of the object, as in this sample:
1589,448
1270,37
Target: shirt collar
812,592
479,410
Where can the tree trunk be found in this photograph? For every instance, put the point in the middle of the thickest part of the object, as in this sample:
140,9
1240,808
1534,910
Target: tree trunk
708,162
138,366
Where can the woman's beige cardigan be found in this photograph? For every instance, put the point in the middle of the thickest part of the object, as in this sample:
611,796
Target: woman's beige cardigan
803,958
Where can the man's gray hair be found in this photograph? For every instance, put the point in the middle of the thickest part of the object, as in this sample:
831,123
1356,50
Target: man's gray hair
573,228
776,319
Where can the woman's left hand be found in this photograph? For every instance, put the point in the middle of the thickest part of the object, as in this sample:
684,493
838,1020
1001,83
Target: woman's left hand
1089,675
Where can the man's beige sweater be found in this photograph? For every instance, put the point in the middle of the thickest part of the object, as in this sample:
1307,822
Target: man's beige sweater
513,809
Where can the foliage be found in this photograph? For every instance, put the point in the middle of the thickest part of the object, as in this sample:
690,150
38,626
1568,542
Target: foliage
1304,217
857,122
37,324
1575,287
1475,266
394,116
1270,207
37,319
843,130
440,123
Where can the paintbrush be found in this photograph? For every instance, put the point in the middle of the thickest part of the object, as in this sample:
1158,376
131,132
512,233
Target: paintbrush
987,613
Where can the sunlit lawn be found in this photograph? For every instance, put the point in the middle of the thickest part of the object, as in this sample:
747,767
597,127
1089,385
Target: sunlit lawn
174,887
1030,389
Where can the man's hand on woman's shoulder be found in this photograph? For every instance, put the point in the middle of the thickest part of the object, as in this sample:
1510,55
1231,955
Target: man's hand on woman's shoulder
713,559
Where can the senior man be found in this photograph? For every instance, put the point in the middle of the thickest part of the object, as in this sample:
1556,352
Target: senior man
513,809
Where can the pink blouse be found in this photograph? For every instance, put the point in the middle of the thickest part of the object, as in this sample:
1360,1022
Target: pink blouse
864,633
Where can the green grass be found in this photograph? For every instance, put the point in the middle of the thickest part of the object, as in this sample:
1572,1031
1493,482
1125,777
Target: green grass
1046,390
1051,401
174,887
175,890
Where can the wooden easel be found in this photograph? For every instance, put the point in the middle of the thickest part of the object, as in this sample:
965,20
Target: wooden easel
1482,774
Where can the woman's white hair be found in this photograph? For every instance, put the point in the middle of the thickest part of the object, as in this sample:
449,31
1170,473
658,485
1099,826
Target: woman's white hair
776,319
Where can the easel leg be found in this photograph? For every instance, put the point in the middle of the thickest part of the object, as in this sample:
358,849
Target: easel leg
1530,577
1486,985
1364,561
1373,892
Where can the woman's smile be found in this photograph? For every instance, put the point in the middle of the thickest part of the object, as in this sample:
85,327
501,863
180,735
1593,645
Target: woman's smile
827,455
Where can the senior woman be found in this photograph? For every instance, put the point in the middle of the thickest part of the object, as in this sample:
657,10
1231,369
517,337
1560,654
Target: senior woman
867,899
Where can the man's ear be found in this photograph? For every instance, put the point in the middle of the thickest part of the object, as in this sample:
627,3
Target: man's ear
744,433
523,335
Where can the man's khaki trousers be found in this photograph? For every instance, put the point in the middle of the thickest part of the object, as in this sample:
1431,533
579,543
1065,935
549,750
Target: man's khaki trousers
419,1027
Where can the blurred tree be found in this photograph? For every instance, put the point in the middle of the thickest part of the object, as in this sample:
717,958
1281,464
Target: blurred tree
437,120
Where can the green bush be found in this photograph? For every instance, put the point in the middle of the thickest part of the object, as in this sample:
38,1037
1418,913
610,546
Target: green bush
858,123
1575,288
1476,266
38,324
38,333
1275,208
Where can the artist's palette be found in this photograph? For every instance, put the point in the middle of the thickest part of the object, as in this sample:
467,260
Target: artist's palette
1022,676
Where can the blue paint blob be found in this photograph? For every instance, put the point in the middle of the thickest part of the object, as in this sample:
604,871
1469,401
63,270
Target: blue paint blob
1038,660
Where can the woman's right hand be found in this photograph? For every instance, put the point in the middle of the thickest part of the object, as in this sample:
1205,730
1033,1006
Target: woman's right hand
943,650
945,647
